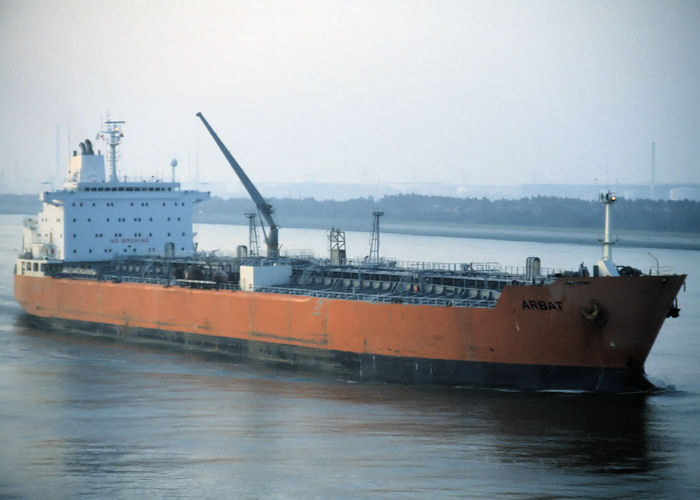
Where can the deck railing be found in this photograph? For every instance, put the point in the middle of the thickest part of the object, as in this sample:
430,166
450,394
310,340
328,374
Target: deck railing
392,297
380,298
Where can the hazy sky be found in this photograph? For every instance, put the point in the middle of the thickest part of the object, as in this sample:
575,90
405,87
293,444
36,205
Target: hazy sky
477,92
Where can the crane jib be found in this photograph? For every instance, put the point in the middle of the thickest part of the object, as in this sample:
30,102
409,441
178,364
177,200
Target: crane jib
264,207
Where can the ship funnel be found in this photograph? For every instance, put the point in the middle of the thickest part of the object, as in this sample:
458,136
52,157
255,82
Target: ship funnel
88,147
83,149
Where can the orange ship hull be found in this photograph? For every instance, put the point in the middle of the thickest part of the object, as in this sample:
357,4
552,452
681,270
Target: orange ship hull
580,333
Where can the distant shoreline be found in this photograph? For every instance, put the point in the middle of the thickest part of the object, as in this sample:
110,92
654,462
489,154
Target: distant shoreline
675,241
294,217
550,235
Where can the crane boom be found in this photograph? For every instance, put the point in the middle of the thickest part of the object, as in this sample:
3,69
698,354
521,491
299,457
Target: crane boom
264,208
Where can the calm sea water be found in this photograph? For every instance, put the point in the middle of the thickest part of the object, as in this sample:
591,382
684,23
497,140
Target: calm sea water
90,418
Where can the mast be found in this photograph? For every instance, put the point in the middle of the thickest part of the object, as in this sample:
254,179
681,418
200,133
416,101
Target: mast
252,235
112,135
606,265
607,199
374,239
653,171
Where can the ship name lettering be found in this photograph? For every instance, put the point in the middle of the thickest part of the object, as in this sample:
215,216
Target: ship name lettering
542,305
134,240
130,240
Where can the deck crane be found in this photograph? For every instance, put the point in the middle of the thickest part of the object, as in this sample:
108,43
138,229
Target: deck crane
264,208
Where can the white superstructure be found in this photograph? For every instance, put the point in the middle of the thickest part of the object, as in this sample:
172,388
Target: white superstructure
94,218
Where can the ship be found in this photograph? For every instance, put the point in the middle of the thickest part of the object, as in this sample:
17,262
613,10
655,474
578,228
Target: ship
115,257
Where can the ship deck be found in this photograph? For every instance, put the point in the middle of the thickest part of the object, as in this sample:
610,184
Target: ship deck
420,283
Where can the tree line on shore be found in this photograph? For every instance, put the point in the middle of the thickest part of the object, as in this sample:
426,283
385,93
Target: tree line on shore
539,211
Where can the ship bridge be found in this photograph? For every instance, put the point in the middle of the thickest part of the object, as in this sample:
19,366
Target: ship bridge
94,218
